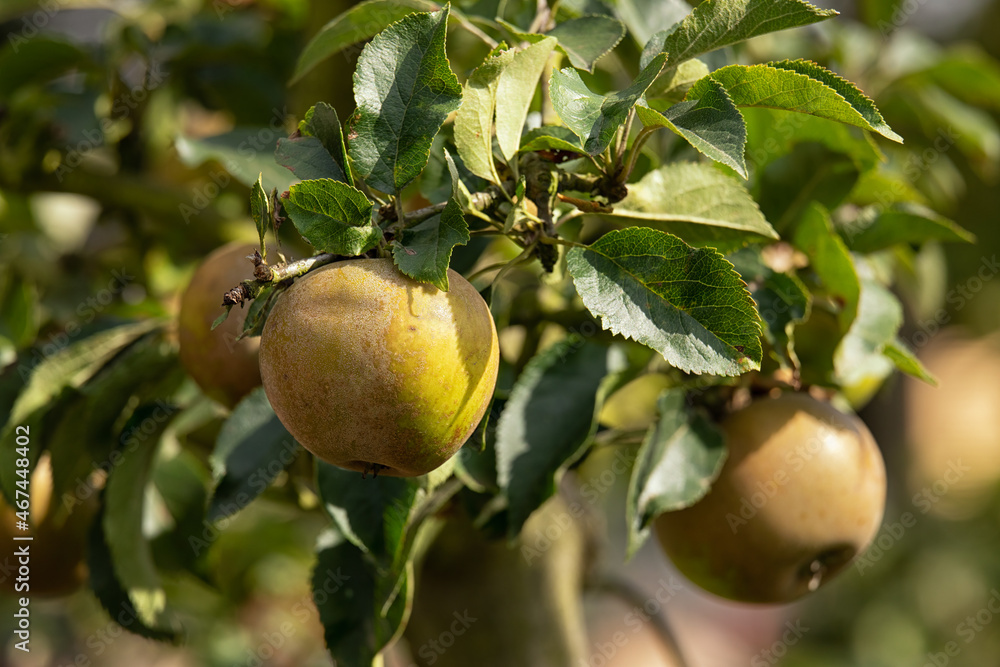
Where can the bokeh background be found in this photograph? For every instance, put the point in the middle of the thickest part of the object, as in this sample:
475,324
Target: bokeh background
129,132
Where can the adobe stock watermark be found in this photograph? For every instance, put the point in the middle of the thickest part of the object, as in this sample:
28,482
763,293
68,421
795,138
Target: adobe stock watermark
432,650
916,165
86,312
33,23
967,630
603,652
924,500
121,109
900,16
957,298
257,481
764,490
776,651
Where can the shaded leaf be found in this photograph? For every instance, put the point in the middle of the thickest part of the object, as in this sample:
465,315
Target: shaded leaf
372,513
404,89
308,159
544,426
647,17
711,123
333,216
252,449
905,223
688,304
810,173
595,118
246,153
122,520
680,457
588,38
110,592
423,251
321,121
782,302
346,591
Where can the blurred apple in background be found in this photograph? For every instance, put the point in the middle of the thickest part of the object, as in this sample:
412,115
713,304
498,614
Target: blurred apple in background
954,429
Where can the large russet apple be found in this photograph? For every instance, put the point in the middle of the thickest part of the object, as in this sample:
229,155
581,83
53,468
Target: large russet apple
374,372
224,368
800,495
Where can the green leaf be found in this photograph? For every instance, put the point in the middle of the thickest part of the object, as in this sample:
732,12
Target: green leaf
347,592
246,153
595,118
588,38
712,25
515,90
544,426
81,431
802,86
696,202
905,223
122,520
680,457
688,304
260,211
404,89
423,251
35,59
110,591
584,40
859,357
49,375
551,138
360,22
333,217
782,301
474,120
308,159
252,449
711,123
900,355
831,261
322,122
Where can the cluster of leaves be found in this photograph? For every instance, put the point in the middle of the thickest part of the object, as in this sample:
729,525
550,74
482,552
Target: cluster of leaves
765,245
